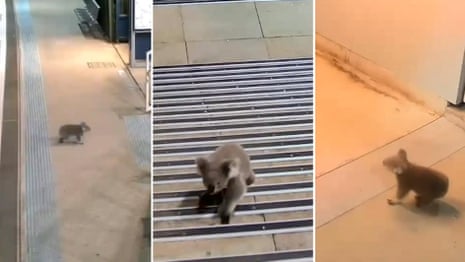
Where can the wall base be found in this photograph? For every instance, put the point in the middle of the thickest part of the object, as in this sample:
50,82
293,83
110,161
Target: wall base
376,76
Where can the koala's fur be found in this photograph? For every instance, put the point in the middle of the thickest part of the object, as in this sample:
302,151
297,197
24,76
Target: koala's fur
427,183
226,173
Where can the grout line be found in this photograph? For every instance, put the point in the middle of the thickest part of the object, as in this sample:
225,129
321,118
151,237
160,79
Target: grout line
384,191
184,35
258,18
263,38
378,148
128,72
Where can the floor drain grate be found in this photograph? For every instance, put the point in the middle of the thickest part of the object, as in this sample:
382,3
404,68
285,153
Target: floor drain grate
95,65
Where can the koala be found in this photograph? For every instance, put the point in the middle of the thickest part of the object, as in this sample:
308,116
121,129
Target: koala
207,199
428,184
69,130
226,174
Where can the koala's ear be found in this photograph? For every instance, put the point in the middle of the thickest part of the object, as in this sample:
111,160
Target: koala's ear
202,165
229,167
402,154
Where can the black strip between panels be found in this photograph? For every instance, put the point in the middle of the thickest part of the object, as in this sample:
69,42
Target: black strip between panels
224,72
250,78
239,63
233,108
224,117
180,95
258,171
231,126
219,137
275,256
199,231
296,141
239,208
237,100
252,157
252,189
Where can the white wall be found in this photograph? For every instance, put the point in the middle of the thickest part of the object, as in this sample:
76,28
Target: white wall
421,42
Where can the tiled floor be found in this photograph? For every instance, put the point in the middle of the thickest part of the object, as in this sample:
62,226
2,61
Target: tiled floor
356,129
230,32
353,119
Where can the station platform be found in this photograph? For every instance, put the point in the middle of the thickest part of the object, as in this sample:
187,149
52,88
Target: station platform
71,202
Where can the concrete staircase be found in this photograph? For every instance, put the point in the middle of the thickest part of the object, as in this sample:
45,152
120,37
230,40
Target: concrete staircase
266,106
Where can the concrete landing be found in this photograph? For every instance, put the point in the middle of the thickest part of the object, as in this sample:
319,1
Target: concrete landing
228,32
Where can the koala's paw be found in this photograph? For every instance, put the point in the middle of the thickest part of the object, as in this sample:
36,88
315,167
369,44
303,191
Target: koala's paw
225,219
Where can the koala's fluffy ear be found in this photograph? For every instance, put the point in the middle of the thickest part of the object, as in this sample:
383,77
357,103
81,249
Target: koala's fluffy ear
230,167
402,154
202,165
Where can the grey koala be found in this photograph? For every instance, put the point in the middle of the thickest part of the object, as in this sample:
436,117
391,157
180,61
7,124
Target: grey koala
226,173
70,130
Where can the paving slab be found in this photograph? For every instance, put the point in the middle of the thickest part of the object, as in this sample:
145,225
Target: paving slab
376,231
226,50
169,251
354,119
286,18
289,47
293,241
169,54
220,21
229,32
351,185
167,24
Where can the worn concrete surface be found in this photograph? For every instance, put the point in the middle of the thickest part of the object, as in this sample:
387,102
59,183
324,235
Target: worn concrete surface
101,198
231,51
229,32
364,178
138,74
376,231
220,21
354,222
353,119
286,18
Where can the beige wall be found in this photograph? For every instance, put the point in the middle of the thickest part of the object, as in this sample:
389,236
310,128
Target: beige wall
421,42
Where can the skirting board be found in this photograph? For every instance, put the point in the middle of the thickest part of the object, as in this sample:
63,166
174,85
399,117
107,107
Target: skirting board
376,76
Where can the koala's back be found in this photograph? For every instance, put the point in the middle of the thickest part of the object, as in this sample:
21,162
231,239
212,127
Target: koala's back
425,181
231,151
68,130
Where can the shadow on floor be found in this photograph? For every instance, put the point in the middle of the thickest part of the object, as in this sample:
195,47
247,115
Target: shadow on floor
440,208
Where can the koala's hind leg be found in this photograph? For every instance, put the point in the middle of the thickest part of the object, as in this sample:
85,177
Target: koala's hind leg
79,140
402,191
205,200
250,179
421,201
234,193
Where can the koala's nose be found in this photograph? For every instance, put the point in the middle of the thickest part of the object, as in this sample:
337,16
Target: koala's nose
211,189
